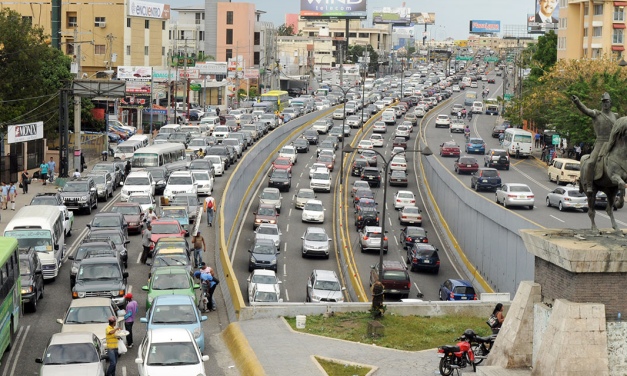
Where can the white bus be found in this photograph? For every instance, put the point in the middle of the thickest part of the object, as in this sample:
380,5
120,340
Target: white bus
40,227
518,140
126,149
145,141
158,155
170,128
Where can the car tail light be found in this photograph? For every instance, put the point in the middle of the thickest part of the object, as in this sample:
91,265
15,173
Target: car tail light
566,199
377,219
532,196
398,200
475,298
362,176
366,238
379,177
452,296
413,201
425,240
358,217
385,238
511,195
409,285
499,174
408,239
438,262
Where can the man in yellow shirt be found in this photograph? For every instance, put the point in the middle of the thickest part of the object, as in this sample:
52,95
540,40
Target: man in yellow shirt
112,346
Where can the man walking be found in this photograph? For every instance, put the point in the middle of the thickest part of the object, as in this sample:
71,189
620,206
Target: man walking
5,196
146,240
25,182
199,246
52,165
129,318
210,204
12,194
537,136
43,172
112,346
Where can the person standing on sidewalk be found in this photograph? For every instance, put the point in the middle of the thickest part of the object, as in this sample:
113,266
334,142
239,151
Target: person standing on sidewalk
537,136
112,346
206,269
43,172
146,240
52,165
210,204
12,194
5,196
129,318
199,247
25,181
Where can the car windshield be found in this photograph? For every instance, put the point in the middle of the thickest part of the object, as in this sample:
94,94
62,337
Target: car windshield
572,166
165,228
316,237
137,181
24,267
201,176
174,314
405,195
86,249
468,160
129,210
106,221
464,290
477,141
415,231
265,297
170,282
313,206
184,200
99,179
270,195
173,213
280,174
282,162
327,285
98,271
307,194
519,188
172,354
140,199
268,230
327,144
71,353
264,248
264,279
180,180
75,187
325,158
43,200
489,174
88,315
395,275
178,136
116,237
575,193
198,143
410,210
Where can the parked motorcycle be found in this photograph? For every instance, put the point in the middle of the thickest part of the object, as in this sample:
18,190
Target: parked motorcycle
481,346
457,357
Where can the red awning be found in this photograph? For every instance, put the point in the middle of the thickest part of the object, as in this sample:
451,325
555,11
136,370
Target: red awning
618,48
620,3
619,26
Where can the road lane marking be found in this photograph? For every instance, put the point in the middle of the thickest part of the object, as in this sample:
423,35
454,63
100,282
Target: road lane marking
301,174
396,240
519,162
287,228
8,362
19,351
556,218
287,296
390,220
139,256
290,213
419,292
123,370
285,269
130,289
297,184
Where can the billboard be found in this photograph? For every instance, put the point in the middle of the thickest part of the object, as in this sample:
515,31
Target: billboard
484,26
134,73
546,17
25,132
145,9
138,87
394,16
211,68
135,101
422,18
333,9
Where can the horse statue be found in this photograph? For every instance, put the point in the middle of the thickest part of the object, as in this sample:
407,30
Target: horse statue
610,174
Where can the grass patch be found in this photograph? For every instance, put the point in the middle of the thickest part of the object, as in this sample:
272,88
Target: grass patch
342,369
410,333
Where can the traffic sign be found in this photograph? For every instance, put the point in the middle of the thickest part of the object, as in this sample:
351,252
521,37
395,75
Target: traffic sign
510,59
508,97
556,139
467,58
490,58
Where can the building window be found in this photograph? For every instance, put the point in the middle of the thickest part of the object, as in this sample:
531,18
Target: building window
229,36
72,21
257,39
585,10
162,51
28,19
229,54
598,9
99,49
256,57
197,18
69,47
352,35
146,24
312,33
128,50
339,35
364,35
597,32
128,22
619,14
170,34
585,32
100,21
597,52
162,25
617,37
182,35
229,18
201,35
145,50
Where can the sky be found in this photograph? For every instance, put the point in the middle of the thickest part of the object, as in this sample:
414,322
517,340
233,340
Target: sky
452,16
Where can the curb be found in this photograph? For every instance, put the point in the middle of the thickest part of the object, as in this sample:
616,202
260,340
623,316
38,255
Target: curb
373,369
245,359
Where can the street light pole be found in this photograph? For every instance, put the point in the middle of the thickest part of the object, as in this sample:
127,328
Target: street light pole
343,125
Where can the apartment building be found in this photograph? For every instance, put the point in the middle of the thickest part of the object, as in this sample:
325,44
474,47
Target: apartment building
298,55
591,29
108,34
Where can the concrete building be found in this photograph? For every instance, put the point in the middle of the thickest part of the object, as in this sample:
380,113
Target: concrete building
109,34
187,33
298,55
591,29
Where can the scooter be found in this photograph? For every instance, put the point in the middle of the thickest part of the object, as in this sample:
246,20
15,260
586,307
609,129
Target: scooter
457,357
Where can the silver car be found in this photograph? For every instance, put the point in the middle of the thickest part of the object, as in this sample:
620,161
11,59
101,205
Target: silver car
513,194
353,121
104,184
270,232
324,286
567,198
370,239
271,196
304,195
315,242
370,156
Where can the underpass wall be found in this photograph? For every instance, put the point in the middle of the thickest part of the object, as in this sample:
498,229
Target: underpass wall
487,235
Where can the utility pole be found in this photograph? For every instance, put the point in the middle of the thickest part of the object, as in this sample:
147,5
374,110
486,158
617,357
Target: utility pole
169,116
186,95
77,110
341,66
237,82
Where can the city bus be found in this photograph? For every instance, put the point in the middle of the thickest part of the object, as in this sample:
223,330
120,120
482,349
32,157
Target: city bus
158,155
280,99
470,98
10,291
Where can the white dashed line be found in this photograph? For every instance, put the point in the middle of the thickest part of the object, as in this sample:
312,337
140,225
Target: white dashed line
287,296
290,213
554,217
285,269
395,239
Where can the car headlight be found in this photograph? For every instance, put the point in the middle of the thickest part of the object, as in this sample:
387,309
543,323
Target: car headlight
197,332
84,197
26,290
286,183
273,262
115,292
252,259
150,299
206,186
257,220
271,181
272,221
340,299
74,269
81,294
314,297
125,193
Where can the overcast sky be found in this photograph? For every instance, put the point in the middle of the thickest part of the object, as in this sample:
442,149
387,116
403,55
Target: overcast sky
452,16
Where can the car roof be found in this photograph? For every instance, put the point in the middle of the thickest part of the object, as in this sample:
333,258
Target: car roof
405,192
138,173
393,264
314,201
101,260
267,206
72,337
460,282
328,275
181,173
172,300
318,230
487,169
264,272
273,225
126,204
372,229
91,302
164,335
108,214
165,221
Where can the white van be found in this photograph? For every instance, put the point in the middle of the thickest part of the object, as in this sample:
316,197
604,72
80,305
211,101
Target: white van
515,140
126,149
138,182
40,227
210,122
477,107
389,116
141,138
170,128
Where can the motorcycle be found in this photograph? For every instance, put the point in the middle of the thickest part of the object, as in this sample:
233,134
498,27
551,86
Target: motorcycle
457,357
481,346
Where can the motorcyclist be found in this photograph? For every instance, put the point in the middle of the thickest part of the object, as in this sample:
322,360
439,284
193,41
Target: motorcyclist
464,113
469,115
467,132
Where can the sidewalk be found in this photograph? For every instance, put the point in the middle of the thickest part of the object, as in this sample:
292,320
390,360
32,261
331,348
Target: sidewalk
282,351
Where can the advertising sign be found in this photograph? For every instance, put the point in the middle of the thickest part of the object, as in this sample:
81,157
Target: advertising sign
251,73
395,16
140,101
189,73
161,75
211,68
145,9
483,26
25,132
545,18
333,9
138,87
134,73
422,18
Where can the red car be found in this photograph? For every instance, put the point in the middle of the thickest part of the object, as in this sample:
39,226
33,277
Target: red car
449,149
491,81
162,228
466,164
132,213
327,160
400,142
282,163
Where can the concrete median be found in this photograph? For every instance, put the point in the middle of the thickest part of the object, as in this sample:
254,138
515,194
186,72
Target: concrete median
245,359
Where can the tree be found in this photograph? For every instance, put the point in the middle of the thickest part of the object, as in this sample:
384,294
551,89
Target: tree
88,122
545,55
31,74
285,30
355,52
203,57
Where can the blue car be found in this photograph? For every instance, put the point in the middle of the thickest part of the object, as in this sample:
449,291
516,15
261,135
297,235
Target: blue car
457,289
176,311
475,145
423,257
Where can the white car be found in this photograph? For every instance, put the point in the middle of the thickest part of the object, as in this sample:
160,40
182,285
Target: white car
404,198
266,278
320,180
398,163
377,140
313,211
316,166
90,315
353,121
72,354
180,182
338,114
272,196
419,112
170,351
261,293
327,152
456,88
473,84
442,121
218,164
204,180
140,181
402,131
302,196
410,215
379,105
144,200
321,126
365,144
379,127
269,231
220,132
457,125
398,151
289,152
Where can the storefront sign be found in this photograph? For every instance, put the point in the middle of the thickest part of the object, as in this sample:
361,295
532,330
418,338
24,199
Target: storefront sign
251,73
138,87
135,101
148,10
189,73
134,73
211,68
25,132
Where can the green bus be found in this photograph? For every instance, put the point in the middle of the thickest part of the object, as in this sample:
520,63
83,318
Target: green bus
10,291
279,98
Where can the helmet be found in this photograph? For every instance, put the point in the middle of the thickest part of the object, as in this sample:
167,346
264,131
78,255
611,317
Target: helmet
469,333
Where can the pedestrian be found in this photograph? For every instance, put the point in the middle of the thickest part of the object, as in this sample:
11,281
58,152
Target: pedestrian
206,269
578,152
496,319
211,282
127,169
146,241
112,346
43,172
217,111
129,318
150,216
537,136
52,165
5,195
76,174
105,155
25,181
12,194
210,204
199,247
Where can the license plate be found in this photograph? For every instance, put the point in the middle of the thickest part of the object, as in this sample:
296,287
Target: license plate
485,181
521,197
440,355
468,165
464,298
427,261
577,206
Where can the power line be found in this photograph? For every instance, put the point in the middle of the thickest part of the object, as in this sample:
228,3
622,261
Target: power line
29,112
25,99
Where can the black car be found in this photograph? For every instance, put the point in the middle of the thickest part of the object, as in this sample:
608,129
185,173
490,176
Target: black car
223,152
31,278
372,176
362,193
311,136
232,152
280,179
117,237
160,175
202,165
358,167
398,178
411,235
101,277
52,199
263,255
98,247
423,257
497,130
80,194
366,216
109,220
301,145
